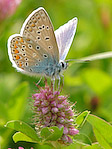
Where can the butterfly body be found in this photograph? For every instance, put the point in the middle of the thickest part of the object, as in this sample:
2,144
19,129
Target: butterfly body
38,50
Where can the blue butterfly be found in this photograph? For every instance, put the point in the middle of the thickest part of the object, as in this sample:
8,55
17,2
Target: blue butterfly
38,50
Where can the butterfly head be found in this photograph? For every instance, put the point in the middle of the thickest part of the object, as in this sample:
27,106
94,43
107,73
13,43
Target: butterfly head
63,65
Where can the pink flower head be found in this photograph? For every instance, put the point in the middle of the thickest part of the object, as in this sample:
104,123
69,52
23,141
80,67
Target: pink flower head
53,109
21,148
8,7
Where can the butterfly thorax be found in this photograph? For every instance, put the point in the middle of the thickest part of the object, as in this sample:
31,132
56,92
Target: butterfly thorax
55,70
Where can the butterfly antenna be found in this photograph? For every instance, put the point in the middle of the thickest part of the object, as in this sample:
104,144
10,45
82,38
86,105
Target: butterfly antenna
77,60
93,57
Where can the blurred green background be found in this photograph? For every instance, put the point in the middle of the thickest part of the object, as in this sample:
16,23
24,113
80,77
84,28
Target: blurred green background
90,84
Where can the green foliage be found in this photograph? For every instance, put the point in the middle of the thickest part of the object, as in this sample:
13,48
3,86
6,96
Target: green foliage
94,146
51,135
82,139
90,84
82,118
26,133
23,128
102,131
13,109
103,80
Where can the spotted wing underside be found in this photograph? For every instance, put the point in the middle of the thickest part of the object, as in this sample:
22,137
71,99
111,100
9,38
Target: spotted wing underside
27,56
39,28
35,48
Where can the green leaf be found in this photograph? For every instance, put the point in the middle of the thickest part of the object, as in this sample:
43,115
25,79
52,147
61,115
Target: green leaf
97,80
51,133
18,136
45,132
80,120
82,139
102,131
23,128
94,146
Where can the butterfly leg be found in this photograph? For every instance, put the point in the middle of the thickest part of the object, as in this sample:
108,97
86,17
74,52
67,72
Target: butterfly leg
62,79
39,81
59,81
53,80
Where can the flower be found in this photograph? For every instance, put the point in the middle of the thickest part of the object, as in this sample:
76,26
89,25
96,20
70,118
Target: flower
8,7
53,109
21,148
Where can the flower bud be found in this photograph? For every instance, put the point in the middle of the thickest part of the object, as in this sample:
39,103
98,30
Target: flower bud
73,131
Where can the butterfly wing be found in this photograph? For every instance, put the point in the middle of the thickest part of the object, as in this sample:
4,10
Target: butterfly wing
64,37
39,28
35,49
27,56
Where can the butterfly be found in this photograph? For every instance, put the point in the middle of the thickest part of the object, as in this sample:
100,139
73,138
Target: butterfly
39,50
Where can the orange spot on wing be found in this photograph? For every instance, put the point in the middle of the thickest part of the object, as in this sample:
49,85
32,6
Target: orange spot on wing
20,64
16,42
30,30
17,57
15,46
16,51
21,40
28,39
33,25
35,21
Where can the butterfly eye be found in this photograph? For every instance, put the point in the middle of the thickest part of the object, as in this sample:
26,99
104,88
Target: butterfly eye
63,65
